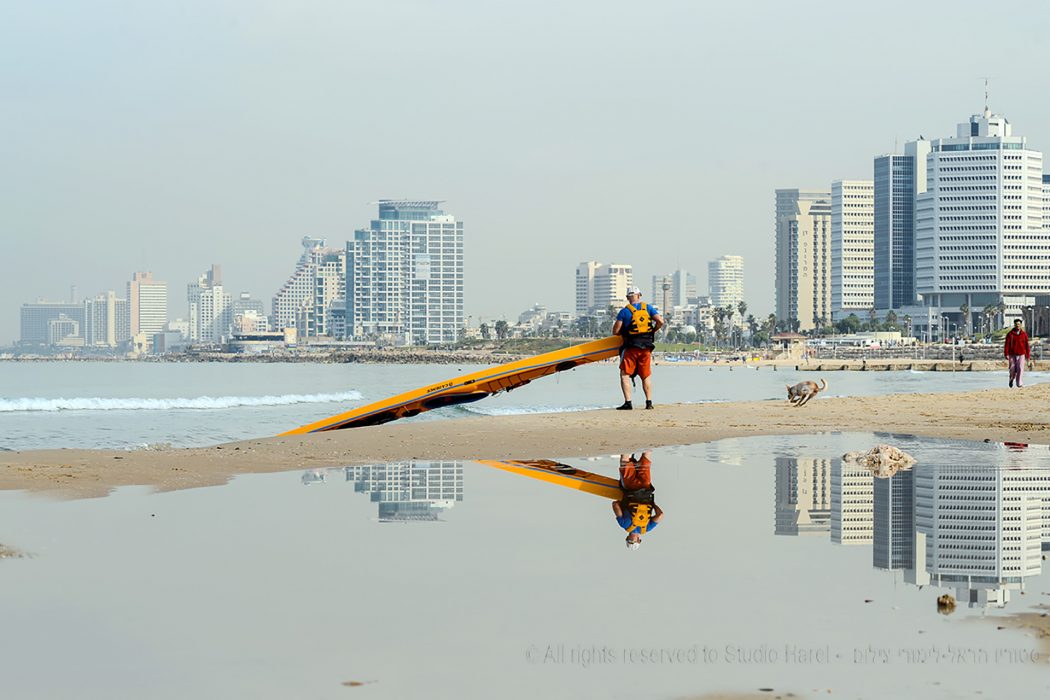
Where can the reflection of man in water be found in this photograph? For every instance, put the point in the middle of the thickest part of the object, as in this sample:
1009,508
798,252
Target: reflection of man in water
636,512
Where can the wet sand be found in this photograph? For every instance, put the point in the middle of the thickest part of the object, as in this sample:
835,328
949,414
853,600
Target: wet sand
991,414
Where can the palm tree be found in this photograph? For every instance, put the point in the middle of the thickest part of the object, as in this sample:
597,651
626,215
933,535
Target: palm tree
965,309
485,331
501,329
720,316
1001,308
907,325
771,324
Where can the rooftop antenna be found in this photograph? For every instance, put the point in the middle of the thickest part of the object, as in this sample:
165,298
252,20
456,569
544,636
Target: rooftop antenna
986,79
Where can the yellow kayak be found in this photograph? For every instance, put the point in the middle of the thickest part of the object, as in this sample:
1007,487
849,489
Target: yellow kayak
560,474
469,387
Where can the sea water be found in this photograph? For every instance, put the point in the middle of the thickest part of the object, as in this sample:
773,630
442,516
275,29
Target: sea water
134,405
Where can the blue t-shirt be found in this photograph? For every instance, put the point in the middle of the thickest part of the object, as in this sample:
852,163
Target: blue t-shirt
624,521
625,316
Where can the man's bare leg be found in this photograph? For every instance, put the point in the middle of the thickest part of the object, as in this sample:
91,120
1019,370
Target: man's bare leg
647,387
625,385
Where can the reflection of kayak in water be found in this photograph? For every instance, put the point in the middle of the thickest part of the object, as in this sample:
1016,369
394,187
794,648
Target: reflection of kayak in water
469,387
560,474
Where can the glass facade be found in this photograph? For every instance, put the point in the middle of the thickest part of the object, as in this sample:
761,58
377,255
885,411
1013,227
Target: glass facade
893,543
894,231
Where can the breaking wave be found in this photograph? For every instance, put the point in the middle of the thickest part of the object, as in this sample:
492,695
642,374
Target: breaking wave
144,404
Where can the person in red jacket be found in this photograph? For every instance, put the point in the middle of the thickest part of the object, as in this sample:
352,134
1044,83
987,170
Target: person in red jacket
1017,352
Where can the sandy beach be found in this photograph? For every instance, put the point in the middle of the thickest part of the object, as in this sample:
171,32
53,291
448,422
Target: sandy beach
994,414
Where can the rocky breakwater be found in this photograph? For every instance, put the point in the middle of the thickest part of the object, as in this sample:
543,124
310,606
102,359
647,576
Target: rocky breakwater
392,356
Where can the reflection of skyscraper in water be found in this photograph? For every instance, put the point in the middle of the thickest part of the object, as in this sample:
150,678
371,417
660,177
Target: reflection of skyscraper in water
978,529
409,491
851,504
893,525
802,496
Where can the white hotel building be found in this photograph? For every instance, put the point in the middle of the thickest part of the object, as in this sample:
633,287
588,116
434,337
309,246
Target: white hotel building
852,247
725,282
978,529
979,234
600,285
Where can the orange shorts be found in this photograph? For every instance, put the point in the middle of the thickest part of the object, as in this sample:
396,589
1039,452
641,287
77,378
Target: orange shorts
636,475
636,361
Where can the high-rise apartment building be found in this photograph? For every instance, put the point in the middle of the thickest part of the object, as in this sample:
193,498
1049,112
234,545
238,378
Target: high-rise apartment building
409,491
851,504
404,275
107,322
725,281
306,301
803,496
600,285
979,227
209,308
803,258
852,247
147,305
899,179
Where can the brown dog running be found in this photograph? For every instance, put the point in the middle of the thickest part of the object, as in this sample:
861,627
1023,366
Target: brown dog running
801,393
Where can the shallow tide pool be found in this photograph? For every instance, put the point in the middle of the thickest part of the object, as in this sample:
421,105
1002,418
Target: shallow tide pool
775,565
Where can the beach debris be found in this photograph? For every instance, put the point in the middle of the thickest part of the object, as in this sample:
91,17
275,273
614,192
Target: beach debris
10,553
883,460
946,604
357,684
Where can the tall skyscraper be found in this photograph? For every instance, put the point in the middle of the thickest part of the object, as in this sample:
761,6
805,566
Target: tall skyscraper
306,301
600,285
899,179
107,322
803,257
852,247
209,308
404,278
893,526
851,504
979,235
725,281
147,305
803,496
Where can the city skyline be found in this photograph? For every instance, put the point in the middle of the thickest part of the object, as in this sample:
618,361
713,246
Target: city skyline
175,161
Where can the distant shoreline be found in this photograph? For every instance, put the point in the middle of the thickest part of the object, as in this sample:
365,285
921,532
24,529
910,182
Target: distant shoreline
903,362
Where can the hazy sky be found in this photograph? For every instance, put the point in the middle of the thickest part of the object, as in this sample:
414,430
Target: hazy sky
168,136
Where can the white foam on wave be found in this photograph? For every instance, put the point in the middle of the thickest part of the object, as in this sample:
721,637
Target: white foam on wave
167,404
